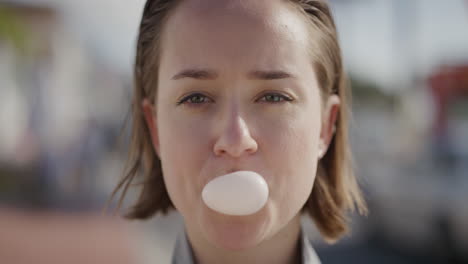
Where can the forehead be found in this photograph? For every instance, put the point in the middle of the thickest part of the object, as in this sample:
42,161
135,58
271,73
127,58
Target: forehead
254,11
234,29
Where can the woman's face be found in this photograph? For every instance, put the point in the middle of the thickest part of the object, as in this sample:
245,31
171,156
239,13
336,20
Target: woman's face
237,91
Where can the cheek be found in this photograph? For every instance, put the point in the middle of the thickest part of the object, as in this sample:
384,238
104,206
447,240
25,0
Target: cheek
183,152
296,137
295,160
181,135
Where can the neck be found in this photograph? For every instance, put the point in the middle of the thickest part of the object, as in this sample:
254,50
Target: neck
283,247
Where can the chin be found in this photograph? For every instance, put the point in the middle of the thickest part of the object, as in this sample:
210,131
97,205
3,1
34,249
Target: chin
235,233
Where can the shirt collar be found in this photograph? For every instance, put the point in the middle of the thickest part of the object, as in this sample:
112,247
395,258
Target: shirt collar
183,253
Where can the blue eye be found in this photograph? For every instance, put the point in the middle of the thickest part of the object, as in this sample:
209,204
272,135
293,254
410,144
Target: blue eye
275,98
196,99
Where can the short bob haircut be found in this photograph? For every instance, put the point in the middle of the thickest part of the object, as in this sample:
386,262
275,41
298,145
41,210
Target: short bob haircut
335,191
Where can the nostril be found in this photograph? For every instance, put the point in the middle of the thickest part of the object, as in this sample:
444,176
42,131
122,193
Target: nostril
235,140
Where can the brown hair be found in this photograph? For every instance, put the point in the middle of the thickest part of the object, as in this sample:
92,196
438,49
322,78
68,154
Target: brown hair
335,191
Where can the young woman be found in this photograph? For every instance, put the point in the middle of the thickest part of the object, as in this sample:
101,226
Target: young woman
226,86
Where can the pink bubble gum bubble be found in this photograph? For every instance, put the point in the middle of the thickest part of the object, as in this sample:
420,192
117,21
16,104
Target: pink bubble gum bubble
238,193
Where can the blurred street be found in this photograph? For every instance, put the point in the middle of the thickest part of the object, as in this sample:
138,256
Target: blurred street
90,238
41,237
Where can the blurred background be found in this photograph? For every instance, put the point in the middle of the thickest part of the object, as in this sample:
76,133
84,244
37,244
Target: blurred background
65,88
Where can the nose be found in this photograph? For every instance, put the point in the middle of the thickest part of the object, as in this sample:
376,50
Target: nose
235,139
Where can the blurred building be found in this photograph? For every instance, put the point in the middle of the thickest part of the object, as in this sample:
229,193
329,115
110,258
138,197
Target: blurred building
62,110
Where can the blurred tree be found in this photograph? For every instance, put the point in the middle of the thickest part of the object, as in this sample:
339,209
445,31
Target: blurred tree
367,92
12,30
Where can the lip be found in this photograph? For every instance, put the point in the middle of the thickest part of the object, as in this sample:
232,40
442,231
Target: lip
232,170
224,173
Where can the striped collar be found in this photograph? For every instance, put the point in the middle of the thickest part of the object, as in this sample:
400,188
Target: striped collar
183,253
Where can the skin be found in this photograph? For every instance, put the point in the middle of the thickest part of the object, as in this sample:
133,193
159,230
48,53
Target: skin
255,105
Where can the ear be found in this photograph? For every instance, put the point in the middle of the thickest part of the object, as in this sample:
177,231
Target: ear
150,117
330,114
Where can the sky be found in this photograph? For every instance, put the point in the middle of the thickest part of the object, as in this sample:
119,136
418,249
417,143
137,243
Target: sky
384,41
391,40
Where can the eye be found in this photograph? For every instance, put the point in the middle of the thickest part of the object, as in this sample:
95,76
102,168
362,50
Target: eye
194,99
275,98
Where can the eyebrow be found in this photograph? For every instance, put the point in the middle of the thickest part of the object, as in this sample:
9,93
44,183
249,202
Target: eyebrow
202,74
269,75
196,74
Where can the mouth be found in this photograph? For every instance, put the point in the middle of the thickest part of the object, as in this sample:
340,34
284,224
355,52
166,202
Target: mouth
232,170
222,173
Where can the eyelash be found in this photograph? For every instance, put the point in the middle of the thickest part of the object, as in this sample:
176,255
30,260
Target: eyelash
282,97
185,99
